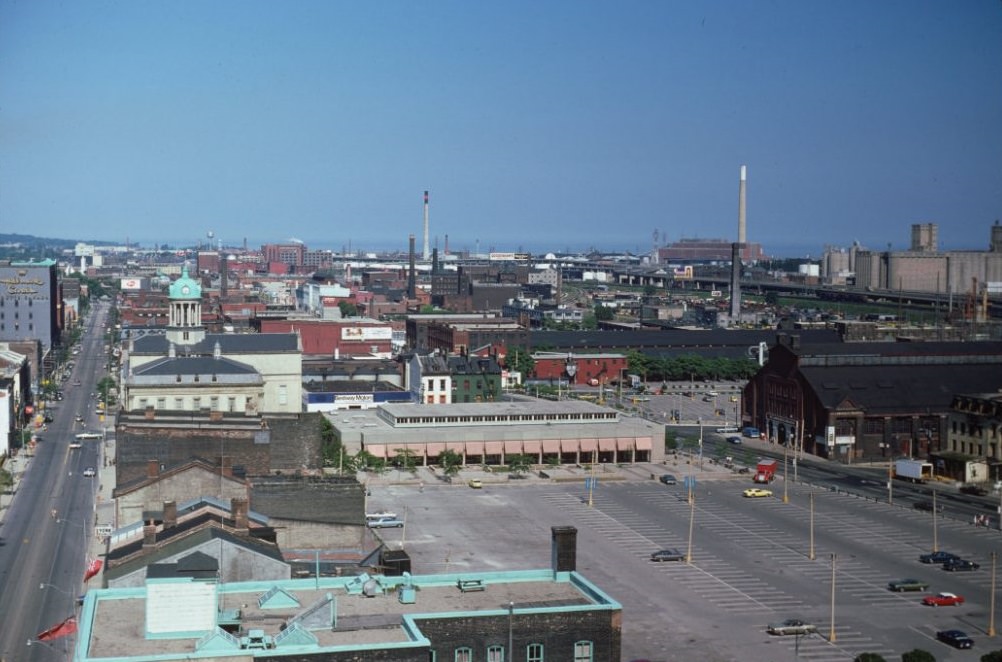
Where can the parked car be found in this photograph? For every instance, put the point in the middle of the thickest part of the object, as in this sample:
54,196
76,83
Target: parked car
960,565
757,492
907,585
734,440
667,555
668,479
956,638
89,472
938,557
385,523
792,626
475,483
943,600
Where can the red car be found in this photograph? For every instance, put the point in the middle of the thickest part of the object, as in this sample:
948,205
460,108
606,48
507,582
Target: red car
943,600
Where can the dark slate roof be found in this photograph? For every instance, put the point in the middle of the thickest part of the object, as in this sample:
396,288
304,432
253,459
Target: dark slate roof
473,365
671,341
229,343
327,500
194,365
349,386
188,534
197,565
921,351
900,388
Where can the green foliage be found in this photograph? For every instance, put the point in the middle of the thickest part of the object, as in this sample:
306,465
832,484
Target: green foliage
6,480
405,459
450,461
348,309
519,464
869,657
918,655
603,313
520,360
994,656
671,443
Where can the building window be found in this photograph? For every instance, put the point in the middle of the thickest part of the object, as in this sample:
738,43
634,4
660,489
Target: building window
495,653
582,651
214,403
196,403
464,654
161,403
178,404
232,404
534,653
441,385
283,394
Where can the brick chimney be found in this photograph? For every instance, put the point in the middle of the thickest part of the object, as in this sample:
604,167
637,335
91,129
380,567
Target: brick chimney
170,514
239,507
149,537
152,468
563,547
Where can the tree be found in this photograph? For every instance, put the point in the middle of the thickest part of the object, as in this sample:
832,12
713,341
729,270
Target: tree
404,459
6,480
603,313
994,656
869,657
450,461
519,464
520,360
348,309
918,655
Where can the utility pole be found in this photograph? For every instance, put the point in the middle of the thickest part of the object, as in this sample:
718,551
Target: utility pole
786,495
935,527
831,629
810,554
692,518
991,610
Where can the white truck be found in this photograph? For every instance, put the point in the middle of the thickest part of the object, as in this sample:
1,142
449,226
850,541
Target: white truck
917,471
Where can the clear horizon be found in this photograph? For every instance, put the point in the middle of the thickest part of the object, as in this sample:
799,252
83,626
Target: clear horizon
564,124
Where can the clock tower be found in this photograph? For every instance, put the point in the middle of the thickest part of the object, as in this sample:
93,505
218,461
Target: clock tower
185,324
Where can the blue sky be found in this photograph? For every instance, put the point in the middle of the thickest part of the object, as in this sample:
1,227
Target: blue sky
535,125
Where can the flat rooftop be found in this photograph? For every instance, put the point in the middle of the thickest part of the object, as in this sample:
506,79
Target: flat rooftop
113,622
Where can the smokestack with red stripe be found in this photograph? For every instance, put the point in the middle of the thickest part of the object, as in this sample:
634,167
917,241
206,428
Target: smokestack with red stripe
427,250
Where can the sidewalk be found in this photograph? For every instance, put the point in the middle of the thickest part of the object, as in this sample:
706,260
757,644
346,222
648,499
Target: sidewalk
104,505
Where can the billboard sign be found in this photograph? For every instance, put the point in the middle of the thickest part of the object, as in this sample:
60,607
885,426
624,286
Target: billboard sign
366,333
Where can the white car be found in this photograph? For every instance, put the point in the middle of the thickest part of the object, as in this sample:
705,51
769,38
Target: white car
89,472
89,435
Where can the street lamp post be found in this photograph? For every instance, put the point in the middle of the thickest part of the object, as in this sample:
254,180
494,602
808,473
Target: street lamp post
700,444
786,496
935,523
810,553
831,628
991,610
692,519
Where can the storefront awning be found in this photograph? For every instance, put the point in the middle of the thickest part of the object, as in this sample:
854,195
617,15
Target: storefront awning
644,443
607,444
589,445
513,448
624,443
531,447
551,445
434,449
376,450
493,447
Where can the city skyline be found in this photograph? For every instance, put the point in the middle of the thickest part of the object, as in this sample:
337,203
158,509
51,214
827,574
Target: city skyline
555,127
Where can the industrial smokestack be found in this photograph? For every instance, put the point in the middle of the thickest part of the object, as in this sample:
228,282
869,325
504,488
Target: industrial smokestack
741,205
223,269
427,251
411,275
737,249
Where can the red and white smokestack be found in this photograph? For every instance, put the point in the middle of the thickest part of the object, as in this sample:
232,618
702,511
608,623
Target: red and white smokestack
741,204
427,249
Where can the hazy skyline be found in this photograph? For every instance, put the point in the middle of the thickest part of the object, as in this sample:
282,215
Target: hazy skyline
536,126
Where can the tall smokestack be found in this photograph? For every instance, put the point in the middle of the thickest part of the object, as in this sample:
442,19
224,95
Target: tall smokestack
737,249
741,205
427,251
411,275
223,269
